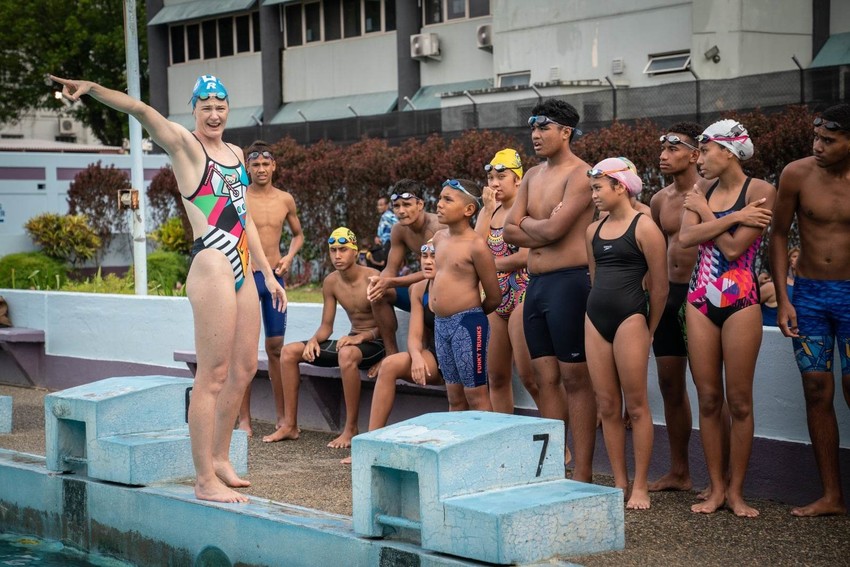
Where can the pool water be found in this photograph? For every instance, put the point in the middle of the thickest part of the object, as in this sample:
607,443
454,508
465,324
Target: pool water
23,551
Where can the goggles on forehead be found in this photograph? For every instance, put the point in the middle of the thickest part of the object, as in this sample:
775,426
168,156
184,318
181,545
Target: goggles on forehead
499,167
207,96
830,125
341,240
596,173
539,121
704,138
427,248
406,195
675,140
266,154
455,184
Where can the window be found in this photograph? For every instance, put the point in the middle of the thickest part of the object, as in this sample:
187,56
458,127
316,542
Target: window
351,17
209,29
243,34
312,22
178,46
333,20
389,15
439,11
522,79
293,25
255,22
225,37
372,15
671,62
193,41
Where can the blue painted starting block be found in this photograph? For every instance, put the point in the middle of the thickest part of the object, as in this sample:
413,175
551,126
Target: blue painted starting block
480,485
130,430
5,414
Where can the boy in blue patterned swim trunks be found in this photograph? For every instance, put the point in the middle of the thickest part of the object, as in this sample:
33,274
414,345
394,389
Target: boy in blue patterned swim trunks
817,190
461,329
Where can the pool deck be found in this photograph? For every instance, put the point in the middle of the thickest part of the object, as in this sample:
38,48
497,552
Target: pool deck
306,473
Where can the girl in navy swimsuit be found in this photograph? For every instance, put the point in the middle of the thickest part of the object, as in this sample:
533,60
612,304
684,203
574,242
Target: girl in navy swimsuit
622,249
723,315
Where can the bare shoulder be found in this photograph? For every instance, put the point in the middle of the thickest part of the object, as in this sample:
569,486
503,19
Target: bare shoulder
238,151
441,235
798,171
591,229
760,188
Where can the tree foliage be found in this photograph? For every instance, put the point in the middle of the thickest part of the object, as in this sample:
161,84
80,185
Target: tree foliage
94,193
83,39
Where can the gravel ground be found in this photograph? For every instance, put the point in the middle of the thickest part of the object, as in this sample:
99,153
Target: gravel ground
307,473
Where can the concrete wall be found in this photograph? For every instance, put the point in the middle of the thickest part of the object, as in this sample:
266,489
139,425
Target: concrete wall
32,183
147,330
240,73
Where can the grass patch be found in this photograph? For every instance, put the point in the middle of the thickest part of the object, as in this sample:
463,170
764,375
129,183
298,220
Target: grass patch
310,293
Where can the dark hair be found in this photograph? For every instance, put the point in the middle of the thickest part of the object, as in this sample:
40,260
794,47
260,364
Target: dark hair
689,129
384,198
409,186
558,110
474,190
258,146
839,113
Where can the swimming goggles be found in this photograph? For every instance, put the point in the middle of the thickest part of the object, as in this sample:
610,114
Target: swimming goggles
499,167
539,121
455,184
427,248
704,138
207,96
596,173
830,125
266,154
341,240
406,195
675,140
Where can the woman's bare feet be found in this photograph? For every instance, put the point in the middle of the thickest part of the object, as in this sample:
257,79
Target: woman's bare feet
820,507
216,491
224,471
740,508
672,481
343,441
283,433
711,504
638,500
346,461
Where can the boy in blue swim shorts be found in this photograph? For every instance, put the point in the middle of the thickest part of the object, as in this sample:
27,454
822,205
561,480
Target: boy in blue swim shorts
461,329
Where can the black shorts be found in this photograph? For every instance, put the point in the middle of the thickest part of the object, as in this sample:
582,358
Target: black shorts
373,351
555,304
670,337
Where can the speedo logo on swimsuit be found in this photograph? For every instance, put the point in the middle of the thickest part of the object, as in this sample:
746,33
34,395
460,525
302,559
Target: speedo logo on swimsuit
607,247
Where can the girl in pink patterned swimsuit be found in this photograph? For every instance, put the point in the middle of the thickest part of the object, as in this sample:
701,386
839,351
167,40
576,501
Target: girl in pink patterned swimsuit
507,340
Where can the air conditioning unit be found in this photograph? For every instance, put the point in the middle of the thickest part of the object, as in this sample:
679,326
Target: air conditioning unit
66,126
425,45
618,66
484,37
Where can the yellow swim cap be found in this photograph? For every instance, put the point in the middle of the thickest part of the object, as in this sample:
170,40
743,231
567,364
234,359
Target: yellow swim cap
507,159
344,237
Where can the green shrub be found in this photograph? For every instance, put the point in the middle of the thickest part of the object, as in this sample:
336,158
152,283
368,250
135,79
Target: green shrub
112,283
68,238
94,192
165,270
31,270
171,237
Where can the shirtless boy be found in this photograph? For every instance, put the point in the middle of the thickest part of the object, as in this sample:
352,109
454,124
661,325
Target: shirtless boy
271,208
679,155
414,228
361,348
461,330
550,216
816,189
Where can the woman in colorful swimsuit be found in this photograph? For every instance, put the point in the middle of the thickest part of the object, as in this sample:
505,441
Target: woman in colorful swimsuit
507,340
212,179
723,312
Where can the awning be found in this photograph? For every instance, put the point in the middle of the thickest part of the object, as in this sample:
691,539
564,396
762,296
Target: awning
273,2
238,117
336,107
198,9
836,51
429,97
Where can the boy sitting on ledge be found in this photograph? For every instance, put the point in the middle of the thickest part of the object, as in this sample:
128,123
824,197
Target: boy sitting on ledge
360,349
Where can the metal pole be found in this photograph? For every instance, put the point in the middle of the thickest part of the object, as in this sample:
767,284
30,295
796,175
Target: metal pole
613,96
474,109
802,79
696,79
137,171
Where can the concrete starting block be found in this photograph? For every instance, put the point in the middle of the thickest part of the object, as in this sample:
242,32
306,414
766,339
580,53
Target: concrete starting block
130,430
5,414
483,486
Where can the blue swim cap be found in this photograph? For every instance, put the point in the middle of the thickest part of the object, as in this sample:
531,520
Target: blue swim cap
205,87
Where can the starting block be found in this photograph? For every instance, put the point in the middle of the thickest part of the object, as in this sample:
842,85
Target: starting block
130,430
483,486
5,414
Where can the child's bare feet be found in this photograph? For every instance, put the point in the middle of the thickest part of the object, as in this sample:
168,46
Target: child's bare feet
217,492
638,500
740,508
820,507
711,504
343,441
282,433
704,493
671,481
346,461
224,471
